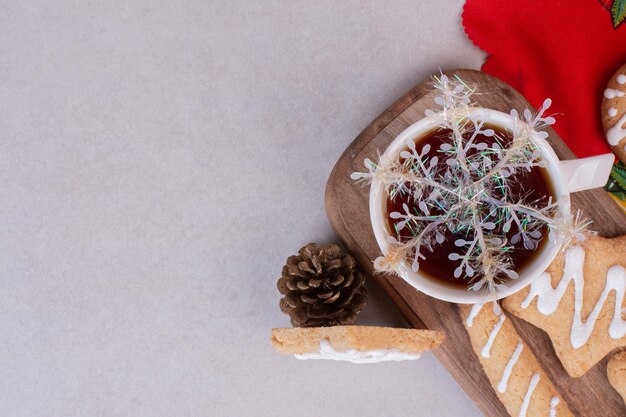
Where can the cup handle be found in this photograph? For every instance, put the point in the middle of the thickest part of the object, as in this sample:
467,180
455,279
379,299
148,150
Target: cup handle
587,173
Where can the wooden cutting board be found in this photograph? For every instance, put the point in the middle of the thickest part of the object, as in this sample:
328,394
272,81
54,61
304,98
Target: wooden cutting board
347,208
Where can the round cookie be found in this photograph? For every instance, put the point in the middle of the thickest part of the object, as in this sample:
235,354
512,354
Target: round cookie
357,344
614,113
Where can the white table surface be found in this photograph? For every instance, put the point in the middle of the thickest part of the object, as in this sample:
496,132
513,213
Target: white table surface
159,161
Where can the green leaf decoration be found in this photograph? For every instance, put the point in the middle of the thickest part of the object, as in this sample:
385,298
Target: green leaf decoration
618,173
620,194
617,181
618,12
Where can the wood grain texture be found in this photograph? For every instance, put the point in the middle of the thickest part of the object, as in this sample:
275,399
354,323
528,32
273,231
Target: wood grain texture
347,209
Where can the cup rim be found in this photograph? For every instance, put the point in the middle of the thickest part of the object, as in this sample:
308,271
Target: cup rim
439,289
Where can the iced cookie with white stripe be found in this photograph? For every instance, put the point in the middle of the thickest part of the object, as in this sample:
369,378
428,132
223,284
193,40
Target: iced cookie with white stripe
614,113
579,302
520,382
356,344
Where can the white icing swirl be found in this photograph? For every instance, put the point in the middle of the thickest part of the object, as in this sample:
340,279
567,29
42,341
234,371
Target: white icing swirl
612,112
553,403
328,352
621,79
615,134
486,350
531,387
610,93
548,298
503,384
469,322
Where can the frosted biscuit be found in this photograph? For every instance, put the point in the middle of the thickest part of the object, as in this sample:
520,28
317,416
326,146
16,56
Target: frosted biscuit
578,302
523,387
614,113
357,344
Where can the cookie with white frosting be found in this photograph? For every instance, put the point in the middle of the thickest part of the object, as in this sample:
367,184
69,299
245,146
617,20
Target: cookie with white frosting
614,113
357,344
616,371
520,382
579,302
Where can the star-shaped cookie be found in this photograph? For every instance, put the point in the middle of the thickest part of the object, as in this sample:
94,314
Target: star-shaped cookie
579,302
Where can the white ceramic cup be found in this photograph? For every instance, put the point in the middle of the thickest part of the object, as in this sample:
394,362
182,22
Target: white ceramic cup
565,177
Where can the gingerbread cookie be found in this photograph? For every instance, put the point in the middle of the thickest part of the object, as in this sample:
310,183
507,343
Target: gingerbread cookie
357,344
614,113
514,372
616,371
578,301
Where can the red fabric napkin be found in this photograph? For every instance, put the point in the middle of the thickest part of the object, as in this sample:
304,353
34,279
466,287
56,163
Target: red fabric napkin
565,50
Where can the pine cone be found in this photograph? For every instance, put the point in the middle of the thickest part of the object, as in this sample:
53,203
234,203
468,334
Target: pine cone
321,287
